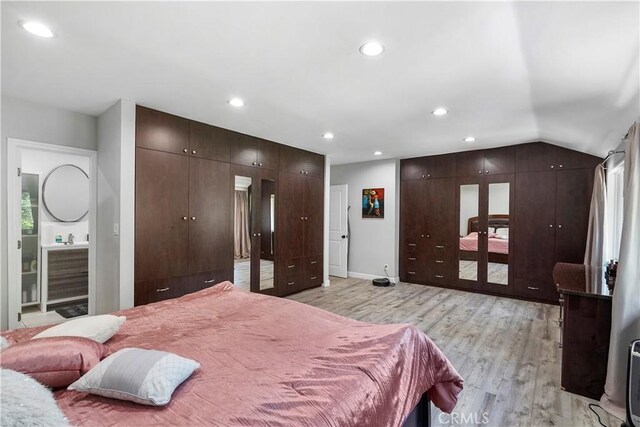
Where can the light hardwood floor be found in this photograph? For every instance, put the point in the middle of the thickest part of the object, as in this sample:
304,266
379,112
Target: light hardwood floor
505,350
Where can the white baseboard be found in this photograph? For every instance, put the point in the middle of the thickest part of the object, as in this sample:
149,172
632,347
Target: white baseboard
366,276
326,283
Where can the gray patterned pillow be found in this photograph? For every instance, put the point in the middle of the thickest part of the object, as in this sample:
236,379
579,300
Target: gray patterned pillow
148,377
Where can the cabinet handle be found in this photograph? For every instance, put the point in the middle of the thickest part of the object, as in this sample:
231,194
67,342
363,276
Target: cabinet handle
253,163
290,283
486,172
258,234
314,278
412,259
193,218
306,217
301,171
210,281
439,276
423,176
291,266
422,235
480,172
314,262
184,218
411,272
428,175
412,244
533,288
185,151
428,236
550,225
162,290
439,261
306,173
193,151
559,225
559,166
259,164
439,247
552,166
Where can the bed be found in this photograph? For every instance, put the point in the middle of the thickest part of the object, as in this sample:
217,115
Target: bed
498,245
270,361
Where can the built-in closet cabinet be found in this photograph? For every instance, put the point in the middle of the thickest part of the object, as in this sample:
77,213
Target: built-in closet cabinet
182,206
529,209
426,250
300,220
185,205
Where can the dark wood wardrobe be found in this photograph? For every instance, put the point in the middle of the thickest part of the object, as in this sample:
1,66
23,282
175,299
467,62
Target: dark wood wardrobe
495,221
185,174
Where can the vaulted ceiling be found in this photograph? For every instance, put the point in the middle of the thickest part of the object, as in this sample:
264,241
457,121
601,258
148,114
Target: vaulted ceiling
508,72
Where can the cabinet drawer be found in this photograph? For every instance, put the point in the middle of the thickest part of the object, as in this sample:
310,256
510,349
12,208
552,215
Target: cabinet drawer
529,289
200,281
290,275
158,290
312,272
438,276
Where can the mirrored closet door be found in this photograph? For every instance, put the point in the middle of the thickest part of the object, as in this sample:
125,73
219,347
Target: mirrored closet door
484,236
254,233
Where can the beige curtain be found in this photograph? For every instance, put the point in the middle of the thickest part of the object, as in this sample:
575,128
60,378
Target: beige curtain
241,238
595,237
625,315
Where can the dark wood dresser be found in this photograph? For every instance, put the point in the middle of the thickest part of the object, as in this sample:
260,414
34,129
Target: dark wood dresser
585,327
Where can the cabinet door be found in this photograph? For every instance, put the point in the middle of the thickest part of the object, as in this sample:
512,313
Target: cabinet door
441,204
268,154
162,208
415,168
469,163
570,159
313,215
161,131
535,157
243,150
535,234
573,201
500,161
209,142
441,166
314,164
210,236
290,228
413,229
292,160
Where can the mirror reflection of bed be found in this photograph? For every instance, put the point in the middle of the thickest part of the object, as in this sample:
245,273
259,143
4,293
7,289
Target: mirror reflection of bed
497,233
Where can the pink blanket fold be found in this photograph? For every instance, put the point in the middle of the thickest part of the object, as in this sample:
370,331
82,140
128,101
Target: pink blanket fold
270,361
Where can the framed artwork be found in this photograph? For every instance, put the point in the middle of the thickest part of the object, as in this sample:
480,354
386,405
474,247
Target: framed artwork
373,203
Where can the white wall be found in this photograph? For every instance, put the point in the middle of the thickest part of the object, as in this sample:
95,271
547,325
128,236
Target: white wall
116,186
373,242
40,123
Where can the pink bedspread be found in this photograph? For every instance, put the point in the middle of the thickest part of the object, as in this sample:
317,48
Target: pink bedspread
496,246
269,361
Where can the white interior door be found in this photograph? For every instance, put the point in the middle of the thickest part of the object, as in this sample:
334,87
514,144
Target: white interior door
338,234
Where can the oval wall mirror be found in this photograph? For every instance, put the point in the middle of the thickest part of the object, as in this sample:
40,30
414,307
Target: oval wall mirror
65,193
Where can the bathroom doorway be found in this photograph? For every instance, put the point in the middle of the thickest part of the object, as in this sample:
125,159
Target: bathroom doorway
51,200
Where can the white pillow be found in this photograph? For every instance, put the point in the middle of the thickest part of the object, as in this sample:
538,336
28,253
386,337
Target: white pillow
147,377
97,328
502,233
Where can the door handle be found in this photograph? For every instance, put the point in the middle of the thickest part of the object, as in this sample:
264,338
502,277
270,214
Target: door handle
344,236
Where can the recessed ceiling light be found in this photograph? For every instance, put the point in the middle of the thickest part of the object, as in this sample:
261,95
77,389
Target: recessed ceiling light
440,111
236,102
470,139
371,48
327,135
36,28
377,153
